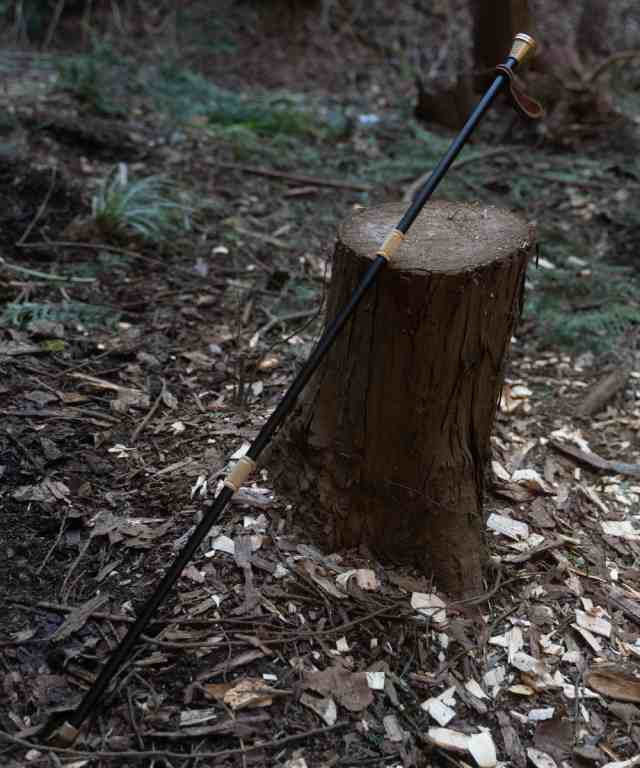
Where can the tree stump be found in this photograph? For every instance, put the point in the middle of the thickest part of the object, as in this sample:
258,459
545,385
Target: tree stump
388,444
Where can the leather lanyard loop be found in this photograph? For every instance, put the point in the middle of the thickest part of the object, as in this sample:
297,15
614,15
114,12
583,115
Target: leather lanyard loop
525,104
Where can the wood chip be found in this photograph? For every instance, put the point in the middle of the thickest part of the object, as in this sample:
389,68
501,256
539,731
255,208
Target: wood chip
439,711
540,759
483,750
506,526
392,728
452,741
595,624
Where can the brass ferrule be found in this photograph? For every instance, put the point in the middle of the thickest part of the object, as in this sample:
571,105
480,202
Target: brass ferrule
239,473
523,47
64,736
391,244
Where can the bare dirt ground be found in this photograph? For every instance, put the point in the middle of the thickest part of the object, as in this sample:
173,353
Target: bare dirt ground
120,417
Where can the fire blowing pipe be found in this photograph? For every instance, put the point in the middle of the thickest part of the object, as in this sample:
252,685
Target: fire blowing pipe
523,46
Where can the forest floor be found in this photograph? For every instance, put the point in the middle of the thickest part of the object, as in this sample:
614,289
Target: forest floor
132,369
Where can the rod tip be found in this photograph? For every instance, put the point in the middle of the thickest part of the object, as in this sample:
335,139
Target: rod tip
523,47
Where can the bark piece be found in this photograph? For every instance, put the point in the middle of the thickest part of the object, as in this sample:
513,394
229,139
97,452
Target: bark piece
391,437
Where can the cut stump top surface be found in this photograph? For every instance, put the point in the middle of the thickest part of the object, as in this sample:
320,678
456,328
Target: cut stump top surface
445,237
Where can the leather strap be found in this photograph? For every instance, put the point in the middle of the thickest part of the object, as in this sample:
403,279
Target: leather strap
525,104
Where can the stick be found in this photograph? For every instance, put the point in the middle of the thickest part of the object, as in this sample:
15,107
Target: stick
63,522
45,275
41,209
604,390
150,414
309,180
159,753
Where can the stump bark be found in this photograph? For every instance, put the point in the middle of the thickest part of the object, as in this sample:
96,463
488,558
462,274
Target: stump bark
388,444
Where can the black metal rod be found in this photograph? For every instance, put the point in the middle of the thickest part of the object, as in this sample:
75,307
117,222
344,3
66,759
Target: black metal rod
68,732
438,173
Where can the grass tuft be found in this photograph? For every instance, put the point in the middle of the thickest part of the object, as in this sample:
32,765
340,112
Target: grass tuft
147,208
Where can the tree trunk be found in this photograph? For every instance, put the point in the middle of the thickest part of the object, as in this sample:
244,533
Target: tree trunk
389,442
494,30
591,35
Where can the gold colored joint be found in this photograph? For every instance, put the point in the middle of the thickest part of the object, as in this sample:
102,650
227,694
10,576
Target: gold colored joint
391,244
523,47
239,473
64,736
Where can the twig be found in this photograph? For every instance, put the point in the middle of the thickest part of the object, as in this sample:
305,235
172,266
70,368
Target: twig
160,753
277,243
150,414
108,248
118,617
54,545
53,24
311,180
284,319
621,56
45,275
41,209
125,252
132,719
63,589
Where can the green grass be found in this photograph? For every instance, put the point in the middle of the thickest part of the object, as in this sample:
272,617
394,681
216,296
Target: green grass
71,312
184,94
580,307
148,207
100,79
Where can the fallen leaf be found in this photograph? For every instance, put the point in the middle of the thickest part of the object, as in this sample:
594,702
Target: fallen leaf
323,582
249,693
350,689
46,492
614,682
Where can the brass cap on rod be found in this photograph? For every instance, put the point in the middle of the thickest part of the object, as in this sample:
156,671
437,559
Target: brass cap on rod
523,47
